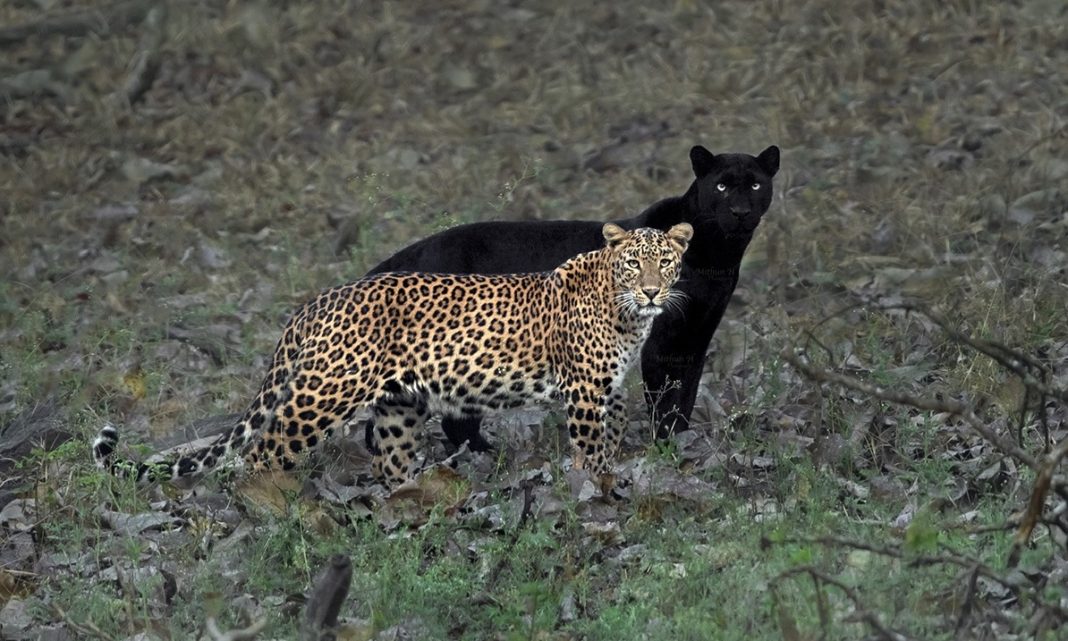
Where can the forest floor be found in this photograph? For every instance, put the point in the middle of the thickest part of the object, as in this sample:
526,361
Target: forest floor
876,453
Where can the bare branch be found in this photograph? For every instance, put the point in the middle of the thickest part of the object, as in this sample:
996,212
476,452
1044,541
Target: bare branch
969,599
87,628
1013,360
145,64
863,613
946,558
902,398
1038,499
974,567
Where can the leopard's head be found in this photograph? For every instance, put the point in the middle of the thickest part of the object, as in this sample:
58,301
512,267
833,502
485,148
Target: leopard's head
733,190
645,265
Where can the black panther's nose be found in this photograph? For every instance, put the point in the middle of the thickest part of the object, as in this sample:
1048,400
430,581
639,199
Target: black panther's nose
650,292
740,211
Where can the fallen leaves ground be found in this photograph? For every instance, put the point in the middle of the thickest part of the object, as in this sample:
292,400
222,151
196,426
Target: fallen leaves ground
151,253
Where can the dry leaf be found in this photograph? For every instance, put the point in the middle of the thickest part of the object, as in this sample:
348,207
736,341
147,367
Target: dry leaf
274,491
134,383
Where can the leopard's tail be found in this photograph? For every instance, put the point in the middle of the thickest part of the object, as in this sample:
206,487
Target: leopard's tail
190,464
275,391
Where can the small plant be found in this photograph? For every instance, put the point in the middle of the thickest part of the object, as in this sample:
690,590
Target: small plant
531,169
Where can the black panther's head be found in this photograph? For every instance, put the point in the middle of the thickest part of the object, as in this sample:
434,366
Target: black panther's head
734,190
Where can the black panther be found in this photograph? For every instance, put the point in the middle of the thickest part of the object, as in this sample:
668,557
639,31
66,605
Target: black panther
724,204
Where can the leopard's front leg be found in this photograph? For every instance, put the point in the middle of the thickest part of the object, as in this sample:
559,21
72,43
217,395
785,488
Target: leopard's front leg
616,424
398,435
588,411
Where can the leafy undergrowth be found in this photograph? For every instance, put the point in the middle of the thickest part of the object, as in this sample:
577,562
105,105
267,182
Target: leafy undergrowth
152,252
683,548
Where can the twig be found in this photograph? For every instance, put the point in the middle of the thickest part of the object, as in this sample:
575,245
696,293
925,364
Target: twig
974,567
863,613
902,398
1015,361
969,599
1038,500
145,64
240,634
1012,360
79,22
948,558
88,628
326,598
1034,145
822,609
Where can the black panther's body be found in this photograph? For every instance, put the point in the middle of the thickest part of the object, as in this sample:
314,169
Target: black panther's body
725,202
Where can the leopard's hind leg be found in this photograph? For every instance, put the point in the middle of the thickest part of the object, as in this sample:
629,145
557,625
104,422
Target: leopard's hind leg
315,405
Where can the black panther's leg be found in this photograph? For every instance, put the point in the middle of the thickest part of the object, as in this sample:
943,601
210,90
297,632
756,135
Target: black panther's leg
465,428
672,363
670,393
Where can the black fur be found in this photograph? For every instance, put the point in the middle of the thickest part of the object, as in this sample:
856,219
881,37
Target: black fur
104,444
723,221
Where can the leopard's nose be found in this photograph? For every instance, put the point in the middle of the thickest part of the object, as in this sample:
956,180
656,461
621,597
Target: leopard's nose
650,292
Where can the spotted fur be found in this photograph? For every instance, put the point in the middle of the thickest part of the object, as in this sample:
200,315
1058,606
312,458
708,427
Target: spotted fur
408,344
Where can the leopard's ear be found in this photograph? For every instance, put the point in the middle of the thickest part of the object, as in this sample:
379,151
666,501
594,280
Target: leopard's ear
702,161
679,236
613,234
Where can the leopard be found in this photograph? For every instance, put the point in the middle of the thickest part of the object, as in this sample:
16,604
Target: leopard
409,344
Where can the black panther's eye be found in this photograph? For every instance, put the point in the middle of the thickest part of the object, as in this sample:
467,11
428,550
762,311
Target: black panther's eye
756,186
665,262
721,187
633,264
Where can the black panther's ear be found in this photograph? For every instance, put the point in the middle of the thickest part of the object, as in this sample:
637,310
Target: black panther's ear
702,161
769,160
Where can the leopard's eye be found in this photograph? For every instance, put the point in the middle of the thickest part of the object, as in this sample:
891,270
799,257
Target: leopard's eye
721,187
756,186
633,264
665,262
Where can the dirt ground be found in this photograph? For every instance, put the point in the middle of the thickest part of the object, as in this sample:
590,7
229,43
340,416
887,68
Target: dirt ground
174,181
